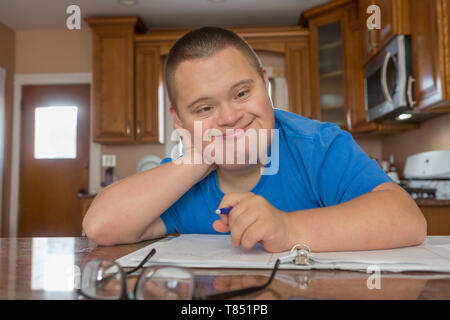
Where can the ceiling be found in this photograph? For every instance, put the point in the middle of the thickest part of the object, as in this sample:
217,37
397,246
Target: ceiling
51,14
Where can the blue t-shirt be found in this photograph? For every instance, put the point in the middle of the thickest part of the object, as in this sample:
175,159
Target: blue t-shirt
320,165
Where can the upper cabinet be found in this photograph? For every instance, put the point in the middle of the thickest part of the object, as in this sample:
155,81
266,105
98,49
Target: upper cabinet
332,60
149,92
116,118
337,58
128,88
394,17
431,54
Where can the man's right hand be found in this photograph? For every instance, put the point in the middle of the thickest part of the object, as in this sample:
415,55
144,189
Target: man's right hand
192,156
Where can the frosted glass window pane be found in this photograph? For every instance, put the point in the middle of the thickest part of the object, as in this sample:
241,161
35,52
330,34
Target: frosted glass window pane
55,133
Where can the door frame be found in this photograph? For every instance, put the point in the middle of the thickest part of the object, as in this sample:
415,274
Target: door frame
2,137
94,148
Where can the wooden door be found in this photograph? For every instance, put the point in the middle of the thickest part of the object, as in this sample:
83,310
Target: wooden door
52,168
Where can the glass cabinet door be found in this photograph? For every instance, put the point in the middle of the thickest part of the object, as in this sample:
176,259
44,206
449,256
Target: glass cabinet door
331,73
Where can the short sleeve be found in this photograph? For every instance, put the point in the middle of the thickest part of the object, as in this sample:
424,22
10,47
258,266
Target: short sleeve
171,220
170,217
342,170
165,160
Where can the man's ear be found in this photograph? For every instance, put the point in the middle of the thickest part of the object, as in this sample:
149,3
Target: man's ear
177,123
266,78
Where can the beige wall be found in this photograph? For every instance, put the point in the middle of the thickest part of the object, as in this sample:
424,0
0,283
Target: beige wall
7,54
373,146
53,51
127,157
432,135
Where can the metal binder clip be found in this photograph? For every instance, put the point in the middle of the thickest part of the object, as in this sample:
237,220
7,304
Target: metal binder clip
303,252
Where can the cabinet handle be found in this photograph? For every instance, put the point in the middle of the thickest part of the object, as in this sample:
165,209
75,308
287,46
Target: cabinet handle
369,40
128,128
372,44
138,129
349,119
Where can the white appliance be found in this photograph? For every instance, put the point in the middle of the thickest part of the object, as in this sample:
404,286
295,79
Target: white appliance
429,170
147,162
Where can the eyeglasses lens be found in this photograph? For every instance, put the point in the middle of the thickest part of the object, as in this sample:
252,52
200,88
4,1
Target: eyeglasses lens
102,280
165,283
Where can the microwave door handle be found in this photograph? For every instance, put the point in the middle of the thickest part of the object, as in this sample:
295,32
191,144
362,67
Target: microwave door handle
384,75
411,101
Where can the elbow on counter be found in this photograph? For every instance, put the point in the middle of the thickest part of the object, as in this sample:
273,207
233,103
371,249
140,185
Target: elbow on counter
97,232
421,228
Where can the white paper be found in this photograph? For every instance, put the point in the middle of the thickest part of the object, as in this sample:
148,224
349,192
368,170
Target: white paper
216,251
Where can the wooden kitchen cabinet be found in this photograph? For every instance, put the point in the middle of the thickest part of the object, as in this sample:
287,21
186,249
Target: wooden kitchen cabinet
369,37
337,72
333,83
431,54
128,75
298,77
291,41
438,219
149,92
395,19
113,78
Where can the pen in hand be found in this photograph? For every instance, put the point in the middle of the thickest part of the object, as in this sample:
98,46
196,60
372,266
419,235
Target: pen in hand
224,210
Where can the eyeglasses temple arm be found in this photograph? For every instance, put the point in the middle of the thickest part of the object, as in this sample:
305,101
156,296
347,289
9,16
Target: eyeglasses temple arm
151,253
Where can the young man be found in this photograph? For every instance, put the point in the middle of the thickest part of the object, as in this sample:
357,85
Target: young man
325,191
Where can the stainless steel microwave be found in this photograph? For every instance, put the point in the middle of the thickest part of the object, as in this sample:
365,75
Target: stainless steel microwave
389,82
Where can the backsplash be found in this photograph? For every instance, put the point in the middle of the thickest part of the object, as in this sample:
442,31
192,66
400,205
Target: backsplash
432,135
128,156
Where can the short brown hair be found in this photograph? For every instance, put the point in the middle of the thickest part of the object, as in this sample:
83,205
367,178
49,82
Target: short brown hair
203,43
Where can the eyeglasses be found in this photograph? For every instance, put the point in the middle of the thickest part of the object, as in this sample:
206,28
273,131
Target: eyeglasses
107,280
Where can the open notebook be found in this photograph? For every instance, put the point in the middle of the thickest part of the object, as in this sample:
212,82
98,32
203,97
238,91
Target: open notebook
216,251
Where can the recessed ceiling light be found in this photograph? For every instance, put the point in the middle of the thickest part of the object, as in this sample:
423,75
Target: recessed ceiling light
217,1
128,3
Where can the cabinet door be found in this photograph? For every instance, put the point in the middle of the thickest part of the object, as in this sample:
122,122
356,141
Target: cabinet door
149,92
369,37
356,113
394,19
113,96
298,77
431,58
329,57
387,21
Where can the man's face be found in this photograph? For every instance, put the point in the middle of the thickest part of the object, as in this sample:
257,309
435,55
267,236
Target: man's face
223,92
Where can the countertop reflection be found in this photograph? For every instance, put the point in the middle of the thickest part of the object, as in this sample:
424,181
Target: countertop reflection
49,268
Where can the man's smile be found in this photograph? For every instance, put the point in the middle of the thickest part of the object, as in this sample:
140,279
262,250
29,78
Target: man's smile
237,132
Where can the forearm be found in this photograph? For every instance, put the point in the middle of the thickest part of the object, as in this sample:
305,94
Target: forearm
376,220
124,210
